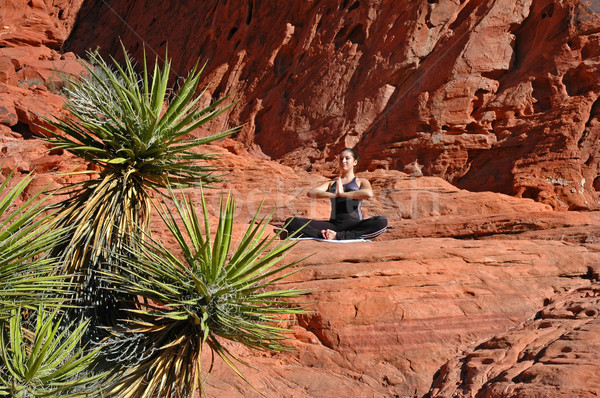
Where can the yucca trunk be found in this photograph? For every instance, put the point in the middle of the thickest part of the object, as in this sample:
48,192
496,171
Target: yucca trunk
105,217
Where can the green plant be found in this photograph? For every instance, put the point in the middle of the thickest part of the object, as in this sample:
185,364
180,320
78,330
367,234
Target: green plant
151,311
25,278
41,359
213,293
138,134
124,124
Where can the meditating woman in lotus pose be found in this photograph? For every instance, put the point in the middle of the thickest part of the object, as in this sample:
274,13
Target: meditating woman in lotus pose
346,194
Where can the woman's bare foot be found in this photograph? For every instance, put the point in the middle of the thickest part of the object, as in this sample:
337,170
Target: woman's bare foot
329,234
283,233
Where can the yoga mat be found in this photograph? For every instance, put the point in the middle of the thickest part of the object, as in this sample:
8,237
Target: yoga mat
333,241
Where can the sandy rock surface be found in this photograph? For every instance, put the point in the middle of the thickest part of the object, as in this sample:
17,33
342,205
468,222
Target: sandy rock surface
389,314
551,354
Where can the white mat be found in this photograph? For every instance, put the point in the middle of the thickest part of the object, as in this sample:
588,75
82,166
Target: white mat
333,240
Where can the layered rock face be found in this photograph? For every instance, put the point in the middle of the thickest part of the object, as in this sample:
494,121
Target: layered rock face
467,293
45,23
489,95
520,363
32,70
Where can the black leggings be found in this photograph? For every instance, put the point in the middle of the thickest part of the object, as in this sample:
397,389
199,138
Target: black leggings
351,229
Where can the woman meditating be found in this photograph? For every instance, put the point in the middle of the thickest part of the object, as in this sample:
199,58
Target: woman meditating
346,194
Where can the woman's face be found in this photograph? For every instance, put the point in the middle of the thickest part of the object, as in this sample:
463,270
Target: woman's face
347,161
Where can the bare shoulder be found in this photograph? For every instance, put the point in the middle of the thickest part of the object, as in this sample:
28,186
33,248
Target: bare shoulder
363,182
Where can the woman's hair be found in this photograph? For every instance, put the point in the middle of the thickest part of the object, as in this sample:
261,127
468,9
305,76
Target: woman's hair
352,151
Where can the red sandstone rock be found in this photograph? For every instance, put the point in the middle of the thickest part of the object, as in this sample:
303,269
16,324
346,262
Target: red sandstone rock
32,109
8,113
388,314
36,22
50,73
7,71
21,55
496,96
552,355
32,76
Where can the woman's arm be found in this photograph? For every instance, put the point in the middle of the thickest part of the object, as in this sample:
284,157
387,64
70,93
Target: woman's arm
364,192
321,191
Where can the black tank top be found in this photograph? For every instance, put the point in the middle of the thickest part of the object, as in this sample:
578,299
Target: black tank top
345,209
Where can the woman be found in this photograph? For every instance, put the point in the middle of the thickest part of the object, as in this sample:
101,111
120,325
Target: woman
346,194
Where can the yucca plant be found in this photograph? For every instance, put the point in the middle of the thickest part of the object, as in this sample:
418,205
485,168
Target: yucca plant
25,278
41,359
203,292
125,124
137,133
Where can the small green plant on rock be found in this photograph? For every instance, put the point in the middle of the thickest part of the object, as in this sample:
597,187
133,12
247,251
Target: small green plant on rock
36,360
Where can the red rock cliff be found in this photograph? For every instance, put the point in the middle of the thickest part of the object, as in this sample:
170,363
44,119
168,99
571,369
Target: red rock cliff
490,95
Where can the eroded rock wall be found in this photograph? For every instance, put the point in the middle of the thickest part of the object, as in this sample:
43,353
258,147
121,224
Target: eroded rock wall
37,22
490,95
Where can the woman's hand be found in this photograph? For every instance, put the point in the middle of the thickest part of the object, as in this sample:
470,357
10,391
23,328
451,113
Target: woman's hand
339,188
322,191
364,192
